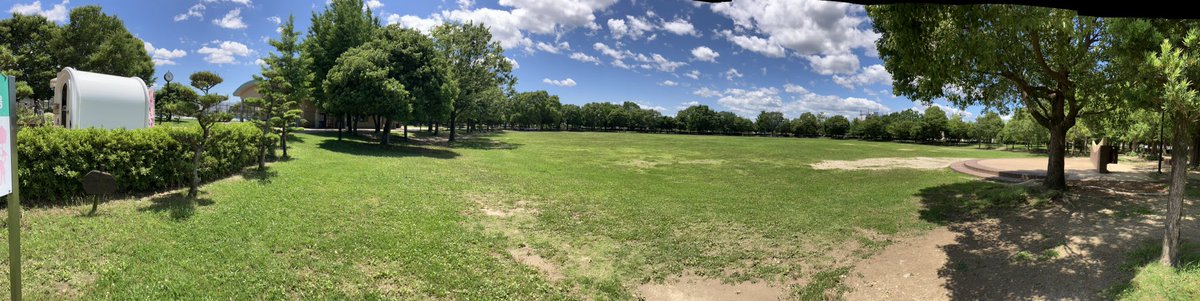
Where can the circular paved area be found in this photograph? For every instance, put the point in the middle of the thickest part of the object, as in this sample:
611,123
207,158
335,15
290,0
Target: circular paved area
1077,169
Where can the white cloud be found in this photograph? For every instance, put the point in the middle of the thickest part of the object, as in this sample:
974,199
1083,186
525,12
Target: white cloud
232,20
466,4
751,102
543,46
611,52
950,111
163,56
583,57
795,89
679,27
706,92
756,44
196,11
668,83
687,104
260,62
409,21
275,19
844,63
374,4
226,52
694,74
826,27
657,61
561,83
56,13
620,64
870,75
509,27
733,73
706,54
660,109
632,27
514,63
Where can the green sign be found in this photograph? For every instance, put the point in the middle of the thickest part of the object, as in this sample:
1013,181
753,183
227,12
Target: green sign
4,95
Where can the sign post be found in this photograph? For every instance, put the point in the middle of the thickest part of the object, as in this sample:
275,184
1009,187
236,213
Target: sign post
8,180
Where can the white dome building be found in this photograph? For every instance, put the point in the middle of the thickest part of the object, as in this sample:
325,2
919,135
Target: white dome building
85,99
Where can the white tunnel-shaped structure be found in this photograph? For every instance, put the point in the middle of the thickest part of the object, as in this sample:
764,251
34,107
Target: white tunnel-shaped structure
86,99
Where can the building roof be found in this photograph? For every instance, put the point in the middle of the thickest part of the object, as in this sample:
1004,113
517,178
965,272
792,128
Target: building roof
248,89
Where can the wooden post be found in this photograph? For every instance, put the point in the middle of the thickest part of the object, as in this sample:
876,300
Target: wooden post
14,199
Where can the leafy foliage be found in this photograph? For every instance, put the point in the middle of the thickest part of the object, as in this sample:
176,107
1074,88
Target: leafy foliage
54,160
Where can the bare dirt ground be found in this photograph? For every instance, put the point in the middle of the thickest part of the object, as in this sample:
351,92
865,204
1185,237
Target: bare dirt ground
1074,250
703,289
887,163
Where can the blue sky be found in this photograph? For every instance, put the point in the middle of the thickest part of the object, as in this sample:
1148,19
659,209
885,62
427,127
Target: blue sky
745,56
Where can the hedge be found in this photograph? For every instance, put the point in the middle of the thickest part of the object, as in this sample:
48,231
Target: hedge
53,160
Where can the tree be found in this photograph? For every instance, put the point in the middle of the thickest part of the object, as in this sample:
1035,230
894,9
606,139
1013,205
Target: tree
771,122
29,40
477,63
987,127
284,84
205,80
97,42
362,76
168,99
697,118
807,125
206,114
414,62
933,123
343,25
836,126
1177,69
996,55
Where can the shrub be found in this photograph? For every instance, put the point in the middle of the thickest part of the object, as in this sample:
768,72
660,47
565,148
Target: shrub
53,160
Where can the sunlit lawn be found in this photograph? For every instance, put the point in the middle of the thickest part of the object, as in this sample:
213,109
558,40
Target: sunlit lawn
352,220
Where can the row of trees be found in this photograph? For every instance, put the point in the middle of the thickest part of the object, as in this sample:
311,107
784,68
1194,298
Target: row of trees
35,49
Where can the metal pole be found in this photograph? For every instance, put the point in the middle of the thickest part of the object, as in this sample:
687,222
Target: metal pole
14,200
1162,145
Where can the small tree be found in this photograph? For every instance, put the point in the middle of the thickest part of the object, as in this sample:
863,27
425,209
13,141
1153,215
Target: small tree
205,80
167,100
283,84
204,110
1175,64
807,125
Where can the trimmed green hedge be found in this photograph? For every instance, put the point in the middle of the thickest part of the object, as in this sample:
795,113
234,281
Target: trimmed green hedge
53,160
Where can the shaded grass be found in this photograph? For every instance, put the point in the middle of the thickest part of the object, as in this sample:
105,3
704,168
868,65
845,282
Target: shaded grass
1153,281
354,220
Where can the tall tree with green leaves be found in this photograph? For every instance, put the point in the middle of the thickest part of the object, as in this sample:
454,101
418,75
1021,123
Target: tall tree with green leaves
168,99
96,42
343,25
987,127
770,123
205,80
807,125
363,76
1178,68
933,123
1046,60
204,109
30,42
836,126
476,64
284,84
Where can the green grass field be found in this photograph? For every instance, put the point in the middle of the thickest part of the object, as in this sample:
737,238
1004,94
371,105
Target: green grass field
352,220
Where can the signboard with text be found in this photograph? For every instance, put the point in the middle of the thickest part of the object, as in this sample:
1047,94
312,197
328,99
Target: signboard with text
6,168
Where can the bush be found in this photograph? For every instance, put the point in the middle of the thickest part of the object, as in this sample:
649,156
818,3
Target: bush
53,160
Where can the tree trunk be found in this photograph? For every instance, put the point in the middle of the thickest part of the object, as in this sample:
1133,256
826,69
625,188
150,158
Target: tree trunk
1195,155
341,124
387,132
194,189
406,131
453,127
1170,250
437,128
283,134
1056,177
376,117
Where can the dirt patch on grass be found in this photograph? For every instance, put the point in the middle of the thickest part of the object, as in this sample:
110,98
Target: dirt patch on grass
887,163
698,289
1075,249
705,161
528,256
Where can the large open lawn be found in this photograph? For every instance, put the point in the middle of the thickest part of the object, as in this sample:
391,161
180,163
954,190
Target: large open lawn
507,216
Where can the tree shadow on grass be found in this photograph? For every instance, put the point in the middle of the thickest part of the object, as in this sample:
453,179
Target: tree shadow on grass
177,205
1013,244
360,147
263,177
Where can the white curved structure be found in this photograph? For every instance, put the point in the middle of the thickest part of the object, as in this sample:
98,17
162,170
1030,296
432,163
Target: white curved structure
85,99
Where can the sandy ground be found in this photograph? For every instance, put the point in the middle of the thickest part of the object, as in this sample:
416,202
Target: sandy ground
1070,252
887,163
704,289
